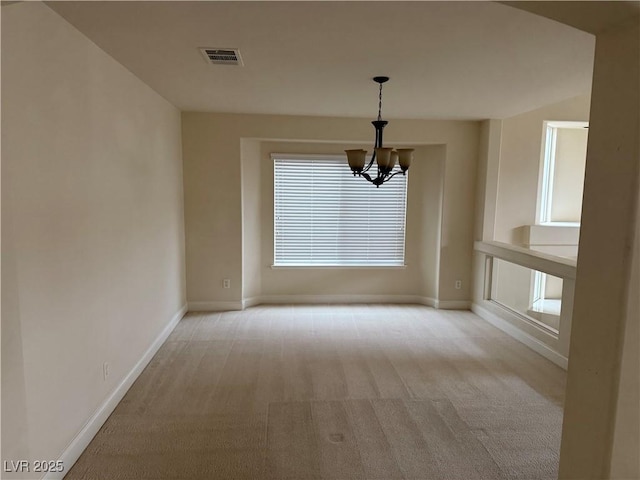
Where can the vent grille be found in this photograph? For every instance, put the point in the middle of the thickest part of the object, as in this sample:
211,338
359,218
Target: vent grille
222,56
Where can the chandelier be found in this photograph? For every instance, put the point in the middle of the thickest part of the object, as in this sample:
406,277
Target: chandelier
385,158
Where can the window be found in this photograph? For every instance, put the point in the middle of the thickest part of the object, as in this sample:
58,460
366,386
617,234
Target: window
562,172
326,217
559,204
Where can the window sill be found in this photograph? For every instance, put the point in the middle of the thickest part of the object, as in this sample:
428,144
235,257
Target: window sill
559,224
338,267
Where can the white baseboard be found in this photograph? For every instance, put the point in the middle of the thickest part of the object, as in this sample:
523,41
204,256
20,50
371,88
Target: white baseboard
429,302
453,304
214,306
338,299
328,299
347,299
251,302
86,434
523,337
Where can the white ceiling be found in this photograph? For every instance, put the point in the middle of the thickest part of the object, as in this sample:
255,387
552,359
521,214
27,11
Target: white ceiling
467,60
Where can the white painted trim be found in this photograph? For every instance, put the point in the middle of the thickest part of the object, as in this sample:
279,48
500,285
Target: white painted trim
494,148
214,306
349,299
547,167
324,299
309,156
71,454
428,301
319,299
251,302
546,174
453,304
567,124
338,267
523,337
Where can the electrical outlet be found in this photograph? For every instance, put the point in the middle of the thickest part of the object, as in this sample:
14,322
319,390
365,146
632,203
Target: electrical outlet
458,284
105,371
226,283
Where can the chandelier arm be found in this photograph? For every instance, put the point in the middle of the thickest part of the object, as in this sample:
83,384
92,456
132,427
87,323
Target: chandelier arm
393,175
373,157
371,162
367,177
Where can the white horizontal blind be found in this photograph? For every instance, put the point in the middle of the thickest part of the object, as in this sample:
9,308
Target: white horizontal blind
326,217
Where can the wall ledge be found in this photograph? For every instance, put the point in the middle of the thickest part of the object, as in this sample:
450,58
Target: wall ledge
71,454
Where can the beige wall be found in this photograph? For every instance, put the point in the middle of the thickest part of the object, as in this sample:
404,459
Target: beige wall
218,180
509,167
424,209
601,430
568,179
521,148
601,398
251,218
424,212
92,227
516,180
625,461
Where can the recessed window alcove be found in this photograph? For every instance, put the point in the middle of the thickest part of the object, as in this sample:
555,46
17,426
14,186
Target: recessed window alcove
417,278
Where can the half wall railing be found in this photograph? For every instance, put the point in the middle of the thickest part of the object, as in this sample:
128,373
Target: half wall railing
527,294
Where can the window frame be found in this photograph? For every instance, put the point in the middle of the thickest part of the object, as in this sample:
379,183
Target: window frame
546,173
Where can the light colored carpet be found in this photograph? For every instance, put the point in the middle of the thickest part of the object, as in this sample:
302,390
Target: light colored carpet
335,392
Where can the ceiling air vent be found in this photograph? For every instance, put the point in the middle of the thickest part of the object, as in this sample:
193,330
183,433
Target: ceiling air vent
222,56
